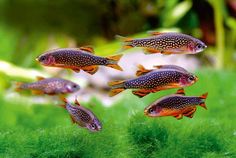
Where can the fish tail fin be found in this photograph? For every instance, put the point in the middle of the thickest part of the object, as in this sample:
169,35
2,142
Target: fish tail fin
116,87
203,97
127,42
113,62
19,86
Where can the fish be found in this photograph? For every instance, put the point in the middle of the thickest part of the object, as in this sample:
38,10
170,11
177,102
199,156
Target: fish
82,116
50,86
165,43
77,59
176,105
162,77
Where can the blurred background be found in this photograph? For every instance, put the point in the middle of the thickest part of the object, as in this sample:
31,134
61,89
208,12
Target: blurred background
28,28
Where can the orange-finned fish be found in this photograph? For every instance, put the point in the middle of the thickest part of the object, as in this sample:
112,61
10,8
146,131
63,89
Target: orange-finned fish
166,43
153,80
82,116
77,59
49,86
177,105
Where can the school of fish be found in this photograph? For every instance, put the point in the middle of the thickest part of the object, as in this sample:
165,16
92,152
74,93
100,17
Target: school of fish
161,77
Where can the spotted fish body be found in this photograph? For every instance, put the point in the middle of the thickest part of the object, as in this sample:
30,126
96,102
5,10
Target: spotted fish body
83,117
150,81
166,43
77,58
50,86
177,105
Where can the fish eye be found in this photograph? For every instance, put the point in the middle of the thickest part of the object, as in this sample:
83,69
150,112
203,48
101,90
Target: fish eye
199,46
74,86
42,58
191,78
93,126
150,110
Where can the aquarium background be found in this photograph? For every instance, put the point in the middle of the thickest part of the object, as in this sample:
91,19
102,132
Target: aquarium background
36,126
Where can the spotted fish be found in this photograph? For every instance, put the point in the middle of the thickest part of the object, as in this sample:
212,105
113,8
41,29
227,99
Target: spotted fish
49,86
82,116
77,59
165,43
177,105
153,80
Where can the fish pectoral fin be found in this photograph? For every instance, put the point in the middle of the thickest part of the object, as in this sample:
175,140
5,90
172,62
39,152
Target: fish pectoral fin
141,70
37,92
141,92
155,33
166,53
39,78
180,91
72,119
90,69
179,116
151,51
88,49
190,113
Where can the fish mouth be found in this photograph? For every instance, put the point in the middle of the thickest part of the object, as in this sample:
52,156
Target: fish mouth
37,59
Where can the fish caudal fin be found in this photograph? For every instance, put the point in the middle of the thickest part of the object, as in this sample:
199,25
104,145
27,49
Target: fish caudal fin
203,97
127,42
116,87
19,86
141,70
113,62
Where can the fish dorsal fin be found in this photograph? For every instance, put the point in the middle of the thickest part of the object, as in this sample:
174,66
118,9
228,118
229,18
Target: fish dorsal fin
76,102
87,49
154,33
180,91
141,70
39,78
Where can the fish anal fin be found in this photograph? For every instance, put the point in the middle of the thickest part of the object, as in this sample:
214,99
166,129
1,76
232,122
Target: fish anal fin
72,119
179,116
166,53
90,69
190,113
141,70
180,91
77,70
155,33
141,92
37,92
39,78
151,51
115,91
87,49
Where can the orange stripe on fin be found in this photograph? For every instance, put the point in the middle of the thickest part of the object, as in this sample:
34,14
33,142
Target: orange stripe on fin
180,91
151,51
155,33
18,86
141,93
115,91
113,62
141,70
90,69
124,39
203,105
115,83
178,117
204,96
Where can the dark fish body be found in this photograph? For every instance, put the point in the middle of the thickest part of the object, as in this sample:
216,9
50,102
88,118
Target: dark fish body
154,79
83,117
150,81
50,86
166,43
177,105
77,59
